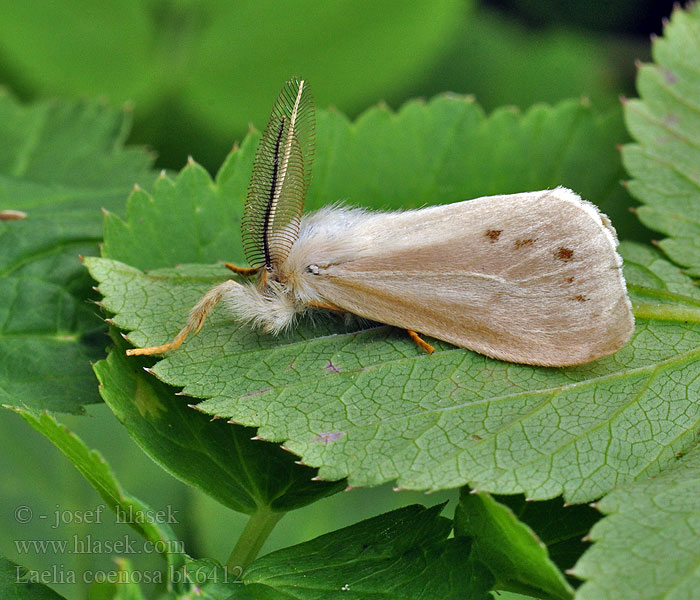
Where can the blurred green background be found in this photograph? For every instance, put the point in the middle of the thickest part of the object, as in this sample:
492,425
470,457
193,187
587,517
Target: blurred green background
197,74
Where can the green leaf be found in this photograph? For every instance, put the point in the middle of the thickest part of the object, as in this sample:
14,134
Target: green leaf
124,588
364,403
155,222
665,122
202,578
561,527
647,546
207,579
204,65
401,554
518,540
150,524
60,164
214,456
659,289
20,583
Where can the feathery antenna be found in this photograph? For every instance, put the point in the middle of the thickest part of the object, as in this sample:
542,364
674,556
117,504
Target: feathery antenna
281,176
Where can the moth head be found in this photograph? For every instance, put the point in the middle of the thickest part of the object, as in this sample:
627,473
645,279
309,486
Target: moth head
280,179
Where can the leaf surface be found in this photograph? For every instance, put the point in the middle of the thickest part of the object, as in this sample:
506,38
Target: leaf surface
124,586
220,459
60,163
665,122
401,554
646,547
19,583
404,554
514,553
363,402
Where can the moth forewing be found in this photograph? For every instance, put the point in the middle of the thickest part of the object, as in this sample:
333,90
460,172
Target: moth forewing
531,278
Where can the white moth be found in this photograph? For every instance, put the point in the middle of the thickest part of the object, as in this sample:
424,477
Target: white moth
529,278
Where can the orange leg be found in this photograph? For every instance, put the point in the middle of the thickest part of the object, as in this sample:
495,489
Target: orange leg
174,345
245,271
420,341
414,336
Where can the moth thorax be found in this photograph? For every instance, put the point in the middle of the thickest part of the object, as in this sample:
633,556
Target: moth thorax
271,282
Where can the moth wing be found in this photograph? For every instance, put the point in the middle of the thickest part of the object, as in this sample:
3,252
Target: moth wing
529,278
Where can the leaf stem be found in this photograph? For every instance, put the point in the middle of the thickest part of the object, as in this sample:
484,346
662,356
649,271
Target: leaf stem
664,295
253,536
667,312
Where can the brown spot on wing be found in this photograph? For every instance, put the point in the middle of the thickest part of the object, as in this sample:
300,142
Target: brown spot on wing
493,234
569,280
580,298
565,254
522,243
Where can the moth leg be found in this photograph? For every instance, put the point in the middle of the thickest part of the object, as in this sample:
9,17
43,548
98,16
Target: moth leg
245,271
332,307
194,322
420,341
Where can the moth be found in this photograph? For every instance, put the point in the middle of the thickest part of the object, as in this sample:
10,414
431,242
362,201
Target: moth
530,278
